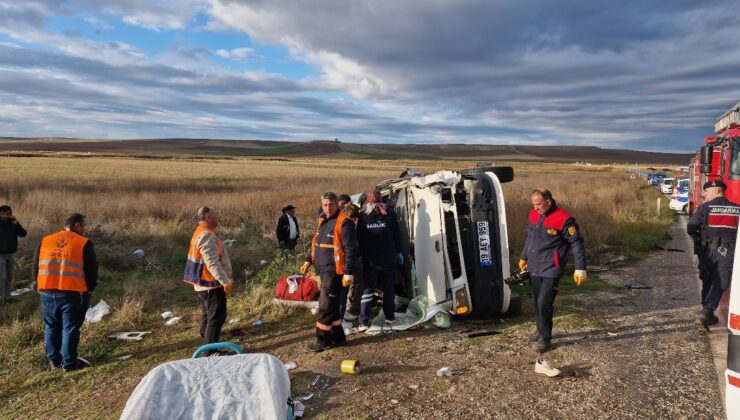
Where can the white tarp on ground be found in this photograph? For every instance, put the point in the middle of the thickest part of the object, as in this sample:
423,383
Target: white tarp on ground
244,386
419,311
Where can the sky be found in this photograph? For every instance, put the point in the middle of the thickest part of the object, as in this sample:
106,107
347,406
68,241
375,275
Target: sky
630,74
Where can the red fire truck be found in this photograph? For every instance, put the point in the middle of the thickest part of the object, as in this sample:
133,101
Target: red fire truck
720,159
697,178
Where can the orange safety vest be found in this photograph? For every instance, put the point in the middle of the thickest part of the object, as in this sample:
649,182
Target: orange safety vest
61,262
196,271
336,246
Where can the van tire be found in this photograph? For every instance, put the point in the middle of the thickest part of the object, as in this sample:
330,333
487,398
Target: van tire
503,173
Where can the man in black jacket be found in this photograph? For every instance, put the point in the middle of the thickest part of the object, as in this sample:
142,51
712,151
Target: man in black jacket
287,228
10,230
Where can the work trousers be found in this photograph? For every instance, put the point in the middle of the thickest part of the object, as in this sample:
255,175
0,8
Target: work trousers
351,296
64,314
212,314
544,290
329,322
715,274
384,278
6,275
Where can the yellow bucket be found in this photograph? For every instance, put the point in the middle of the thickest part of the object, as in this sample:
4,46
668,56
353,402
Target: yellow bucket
350,366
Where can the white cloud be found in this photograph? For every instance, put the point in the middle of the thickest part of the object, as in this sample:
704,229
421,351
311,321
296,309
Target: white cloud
236,53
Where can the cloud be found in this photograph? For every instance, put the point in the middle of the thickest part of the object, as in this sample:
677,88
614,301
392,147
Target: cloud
236,53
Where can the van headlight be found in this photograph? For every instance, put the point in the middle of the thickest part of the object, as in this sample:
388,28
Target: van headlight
462,303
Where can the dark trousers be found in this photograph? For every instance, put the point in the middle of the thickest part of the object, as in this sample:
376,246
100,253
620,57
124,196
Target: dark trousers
374,278
212,314
290,244
716,277
544,290
64,313
329,322
351,296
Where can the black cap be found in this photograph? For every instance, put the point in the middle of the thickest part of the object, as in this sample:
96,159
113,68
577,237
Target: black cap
289,207
715,183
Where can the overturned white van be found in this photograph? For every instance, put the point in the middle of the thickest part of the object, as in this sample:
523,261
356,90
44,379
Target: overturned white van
455,240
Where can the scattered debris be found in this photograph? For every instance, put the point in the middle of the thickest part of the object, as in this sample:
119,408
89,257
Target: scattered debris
306,397
314,311
611,334
409,338
18,292
229,242
543,367
83,360
167,315
483,333
258,323
315,380
125,357
350,366
129,335
619,259
263,262
291,365
97,312
234,320
394,401
636,286
298,409
139,253
172,321
444,371
414,387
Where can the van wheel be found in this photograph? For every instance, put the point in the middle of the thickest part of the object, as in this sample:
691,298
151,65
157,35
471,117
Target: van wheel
515,305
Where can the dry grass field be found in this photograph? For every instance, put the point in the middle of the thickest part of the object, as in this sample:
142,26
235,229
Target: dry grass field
150,204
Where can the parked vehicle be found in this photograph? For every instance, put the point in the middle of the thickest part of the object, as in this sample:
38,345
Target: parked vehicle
680,202
654,179
666,185
455,239
682,186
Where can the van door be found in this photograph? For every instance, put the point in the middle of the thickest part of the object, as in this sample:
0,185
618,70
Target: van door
431,280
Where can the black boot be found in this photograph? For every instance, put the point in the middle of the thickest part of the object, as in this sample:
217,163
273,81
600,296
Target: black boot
542,345
319,347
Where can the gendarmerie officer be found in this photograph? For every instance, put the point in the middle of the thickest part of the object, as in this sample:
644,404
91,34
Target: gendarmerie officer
714,224
551,234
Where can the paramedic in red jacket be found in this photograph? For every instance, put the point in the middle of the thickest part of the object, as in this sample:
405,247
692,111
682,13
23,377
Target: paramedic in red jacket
551,234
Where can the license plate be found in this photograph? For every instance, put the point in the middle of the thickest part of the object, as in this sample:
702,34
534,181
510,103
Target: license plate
484,244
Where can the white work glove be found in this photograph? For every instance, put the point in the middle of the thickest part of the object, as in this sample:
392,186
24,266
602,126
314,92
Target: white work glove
580,277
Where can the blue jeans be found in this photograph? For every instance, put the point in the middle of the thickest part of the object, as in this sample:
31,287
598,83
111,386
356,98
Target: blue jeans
64,313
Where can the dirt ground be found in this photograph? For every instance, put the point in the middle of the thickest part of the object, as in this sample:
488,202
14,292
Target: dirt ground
623,353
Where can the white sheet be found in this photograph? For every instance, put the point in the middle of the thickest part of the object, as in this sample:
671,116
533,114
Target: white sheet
245,386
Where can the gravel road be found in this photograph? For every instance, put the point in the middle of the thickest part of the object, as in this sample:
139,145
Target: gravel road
625,354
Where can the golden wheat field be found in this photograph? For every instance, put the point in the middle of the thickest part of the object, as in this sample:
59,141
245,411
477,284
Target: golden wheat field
151,203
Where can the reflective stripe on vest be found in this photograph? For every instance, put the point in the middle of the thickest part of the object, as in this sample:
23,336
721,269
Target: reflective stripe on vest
336,245
196,272
61,262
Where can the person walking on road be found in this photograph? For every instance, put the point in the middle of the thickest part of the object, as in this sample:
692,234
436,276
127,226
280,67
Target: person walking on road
66,273
714,227
287,229
333,254
551,234
10,231
208,269
379,236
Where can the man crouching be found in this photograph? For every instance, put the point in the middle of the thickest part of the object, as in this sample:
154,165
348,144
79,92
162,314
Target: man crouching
333,253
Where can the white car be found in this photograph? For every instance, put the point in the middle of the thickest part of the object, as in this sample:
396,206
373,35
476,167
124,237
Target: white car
680,202
666,185
455,242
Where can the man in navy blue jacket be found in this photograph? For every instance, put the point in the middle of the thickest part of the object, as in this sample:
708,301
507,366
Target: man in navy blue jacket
551,234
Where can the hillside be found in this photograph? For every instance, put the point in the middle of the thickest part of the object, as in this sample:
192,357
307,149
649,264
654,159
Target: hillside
323,148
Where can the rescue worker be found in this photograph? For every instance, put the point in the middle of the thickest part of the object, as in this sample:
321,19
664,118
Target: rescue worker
66,272
350,308
551,234
714,225
10,231
208,269
379,236
343,200
287,230
333,254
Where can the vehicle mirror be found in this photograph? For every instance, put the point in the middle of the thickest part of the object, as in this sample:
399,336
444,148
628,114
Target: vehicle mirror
706,155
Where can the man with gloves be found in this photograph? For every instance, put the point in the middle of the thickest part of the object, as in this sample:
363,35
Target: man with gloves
551,234
333,253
